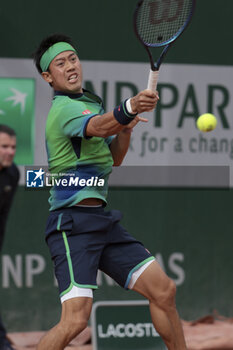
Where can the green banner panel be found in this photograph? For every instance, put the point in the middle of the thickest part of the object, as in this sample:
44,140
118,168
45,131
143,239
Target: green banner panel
124,325
17,110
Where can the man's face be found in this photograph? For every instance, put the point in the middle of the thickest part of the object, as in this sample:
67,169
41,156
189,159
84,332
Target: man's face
7,149
65,73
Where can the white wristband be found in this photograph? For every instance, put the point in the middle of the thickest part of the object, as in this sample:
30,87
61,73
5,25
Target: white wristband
128,106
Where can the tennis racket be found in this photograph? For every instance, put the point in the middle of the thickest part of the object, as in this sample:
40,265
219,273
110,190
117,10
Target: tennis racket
158,23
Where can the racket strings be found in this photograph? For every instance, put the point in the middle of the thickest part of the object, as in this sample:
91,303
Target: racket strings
158,21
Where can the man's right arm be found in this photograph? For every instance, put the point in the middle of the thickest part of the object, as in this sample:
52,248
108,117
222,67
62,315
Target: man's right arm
107,125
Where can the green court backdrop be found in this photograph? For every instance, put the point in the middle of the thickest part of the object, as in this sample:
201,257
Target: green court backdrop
103,30
189,231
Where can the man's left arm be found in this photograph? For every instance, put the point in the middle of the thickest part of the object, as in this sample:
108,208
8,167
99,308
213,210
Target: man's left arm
120,144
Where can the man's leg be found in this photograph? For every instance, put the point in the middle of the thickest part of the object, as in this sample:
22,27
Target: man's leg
160,290
74,318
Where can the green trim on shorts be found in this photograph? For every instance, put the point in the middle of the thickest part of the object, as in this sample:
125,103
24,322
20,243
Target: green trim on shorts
71,272
136,268
59,222
142,263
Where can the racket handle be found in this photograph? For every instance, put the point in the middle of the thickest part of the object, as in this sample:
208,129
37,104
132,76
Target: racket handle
153,79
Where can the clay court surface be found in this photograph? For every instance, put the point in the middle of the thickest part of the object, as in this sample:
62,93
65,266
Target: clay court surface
207,333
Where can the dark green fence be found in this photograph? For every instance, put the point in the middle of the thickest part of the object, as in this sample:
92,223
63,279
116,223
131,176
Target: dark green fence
189,231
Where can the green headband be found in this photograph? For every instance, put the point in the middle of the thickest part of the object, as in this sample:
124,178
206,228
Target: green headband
52,52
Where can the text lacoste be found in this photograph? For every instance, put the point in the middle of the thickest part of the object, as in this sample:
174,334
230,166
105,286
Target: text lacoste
128,330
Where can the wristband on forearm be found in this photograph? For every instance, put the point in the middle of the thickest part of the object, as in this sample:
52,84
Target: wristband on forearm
121,113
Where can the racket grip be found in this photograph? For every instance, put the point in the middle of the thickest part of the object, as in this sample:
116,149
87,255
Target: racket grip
153,79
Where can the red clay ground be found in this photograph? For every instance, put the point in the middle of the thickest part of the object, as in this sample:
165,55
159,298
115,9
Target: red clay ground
208,333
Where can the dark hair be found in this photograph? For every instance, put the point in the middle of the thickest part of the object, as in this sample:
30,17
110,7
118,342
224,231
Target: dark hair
45,45
7,130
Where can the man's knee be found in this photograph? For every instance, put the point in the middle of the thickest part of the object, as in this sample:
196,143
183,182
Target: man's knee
73,326
165,298
75,315
77,325
171,291
156,286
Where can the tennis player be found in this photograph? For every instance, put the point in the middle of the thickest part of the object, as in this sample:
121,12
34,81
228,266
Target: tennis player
84,142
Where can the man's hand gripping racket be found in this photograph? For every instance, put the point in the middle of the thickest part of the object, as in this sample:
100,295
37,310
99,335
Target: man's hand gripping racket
158,23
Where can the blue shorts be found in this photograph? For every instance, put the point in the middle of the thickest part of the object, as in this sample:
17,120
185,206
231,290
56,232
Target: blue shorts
83,240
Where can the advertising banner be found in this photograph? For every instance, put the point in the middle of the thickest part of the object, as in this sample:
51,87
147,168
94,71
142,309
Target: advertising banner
169,138
124,325
17,109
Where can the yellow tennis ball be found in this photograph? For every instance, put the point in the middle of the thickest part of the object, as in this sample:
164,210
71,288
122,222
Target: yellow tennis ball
206,122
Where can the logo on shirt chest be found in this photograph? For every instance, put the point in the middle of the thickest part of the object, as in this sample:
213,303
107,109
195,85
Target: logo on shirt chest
86,112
